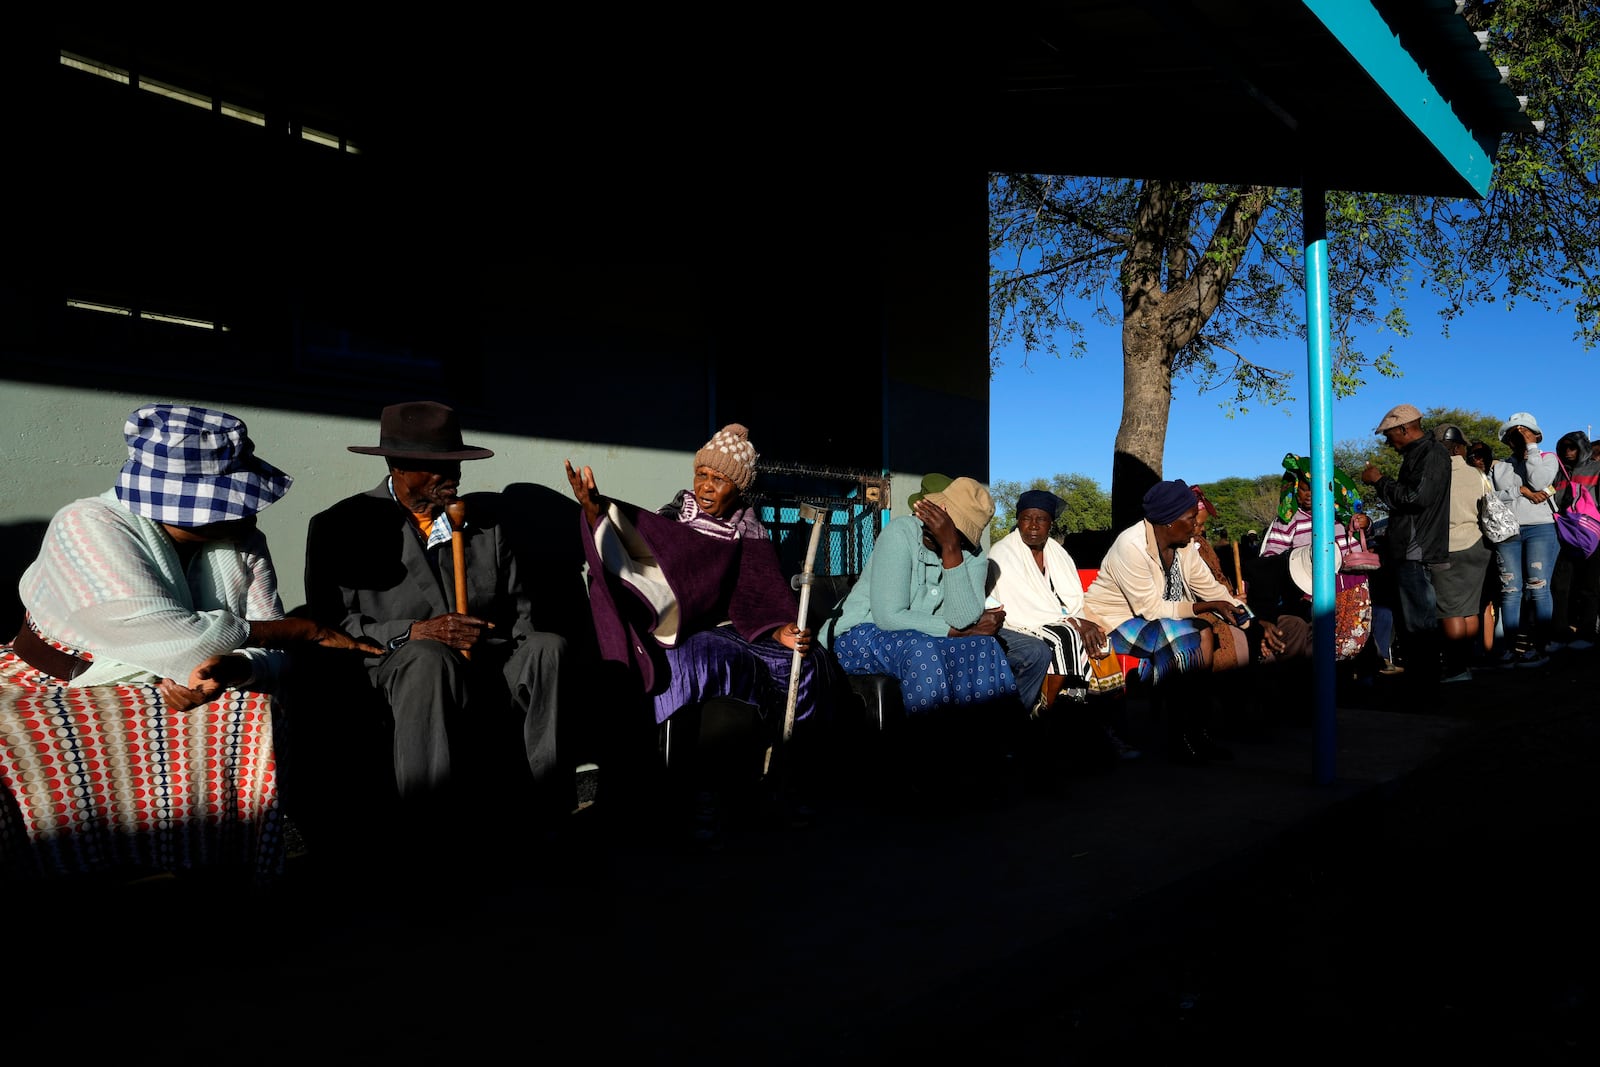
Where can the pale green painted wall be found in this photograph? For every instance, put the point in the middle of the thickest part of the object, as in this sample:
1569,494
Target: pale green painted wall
63,443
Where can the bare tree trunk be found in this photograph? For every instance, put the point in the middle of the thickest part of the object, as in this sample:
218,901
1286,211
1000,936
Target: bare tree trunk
1146,404
1165,304
1146,353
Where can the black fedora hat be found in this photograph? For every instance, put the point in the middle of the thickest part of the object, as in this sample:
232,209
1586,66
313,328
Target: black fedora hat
420,429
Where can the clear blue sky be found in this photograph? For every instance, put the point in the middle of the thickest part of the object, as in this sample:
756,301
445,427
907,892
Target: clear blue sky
1061,416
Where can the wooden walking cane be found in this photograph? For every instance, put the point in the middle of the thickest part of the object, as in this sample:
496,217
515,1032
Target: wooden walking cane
458,551
1238,574
804,581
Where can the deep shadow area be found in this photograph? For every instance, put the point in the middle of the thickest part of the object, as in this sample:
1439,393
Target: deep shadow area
1449,917
19,547
1435,900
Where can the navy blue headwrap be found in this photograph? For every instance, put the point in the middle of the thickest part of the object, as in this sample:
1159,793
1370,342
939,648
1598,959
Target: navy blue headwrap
1039,498
1166,501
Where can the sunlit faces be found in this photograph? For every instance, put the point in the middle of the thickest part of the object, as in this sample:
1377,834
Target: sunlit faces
1183,527
1395,436
714,491
1034,525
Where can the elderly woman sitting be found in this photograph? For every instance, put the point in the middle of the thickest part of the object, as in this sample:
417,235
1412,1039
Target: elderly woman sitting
153,599
692,599
1036,582
1165,607
919,613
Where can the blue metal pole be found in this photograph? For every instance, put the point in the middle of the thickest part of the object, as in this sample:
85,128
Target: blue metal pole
1323,560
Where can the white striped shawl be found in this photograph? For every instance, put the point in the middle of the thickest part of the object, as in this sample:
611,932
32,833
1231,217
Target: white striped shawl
109,582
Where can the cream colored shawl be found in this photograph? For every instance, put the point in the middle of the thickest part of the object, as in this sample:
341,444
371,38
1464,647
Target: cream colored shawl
1033,598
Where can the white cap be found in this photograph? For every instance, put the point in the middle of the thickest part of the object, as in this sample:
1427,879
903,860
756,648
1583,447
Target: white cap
1521,418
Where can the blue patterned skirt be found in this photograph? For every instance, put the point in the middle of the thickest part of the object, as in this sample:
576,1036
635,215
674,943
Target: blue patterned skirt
933,671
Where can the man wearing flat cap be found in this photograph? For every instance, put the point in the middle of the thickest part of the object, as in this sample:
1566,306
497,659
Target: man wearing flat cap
1418,501
461,682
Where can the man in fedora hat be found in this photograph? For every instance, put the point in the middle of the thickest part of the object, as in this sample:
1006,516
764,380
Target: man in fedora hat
460,681
1418,539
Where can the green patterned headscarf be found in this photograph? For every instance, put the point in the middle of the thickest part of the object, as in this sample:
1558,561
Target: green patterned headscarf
1297,469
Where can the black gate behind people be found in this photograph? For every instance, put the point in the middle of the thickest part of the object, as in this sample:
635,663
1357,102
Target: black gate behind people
854,506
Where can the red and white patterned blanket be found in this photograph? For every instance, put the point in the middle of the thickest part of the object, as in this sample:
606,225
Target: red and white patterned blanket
107,778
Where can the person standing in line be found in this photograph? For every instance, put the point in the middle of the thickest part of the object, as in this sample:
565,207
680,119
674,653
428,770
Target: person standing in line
1418,500
1458,587
1480,457
1527,561
1575,587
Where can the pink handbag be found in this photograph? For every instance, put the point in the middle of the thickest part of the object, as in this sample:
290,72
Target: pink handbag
1360,559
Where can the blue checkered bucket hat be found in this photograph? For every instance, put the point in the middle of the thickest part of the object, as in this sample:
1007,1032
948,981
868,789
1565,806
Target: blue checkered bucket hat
192,466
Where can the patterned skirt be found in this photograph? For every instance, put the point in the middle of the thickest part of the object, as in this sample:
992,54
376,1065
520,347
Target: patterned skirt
1163,646
933,671
108,779
1068,657
720,663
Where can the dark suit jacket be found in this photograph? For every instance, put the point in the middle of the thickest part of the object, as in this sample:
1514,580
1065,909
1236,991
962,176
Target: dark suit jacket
368,574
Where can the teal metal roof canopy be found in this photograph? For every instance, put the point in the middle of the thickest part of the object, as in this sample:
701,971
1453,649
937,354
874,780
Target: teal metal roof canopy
1391,96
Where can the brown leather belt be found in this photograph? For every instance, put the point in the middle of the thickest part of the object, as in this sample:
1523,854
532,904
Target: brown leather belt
43,657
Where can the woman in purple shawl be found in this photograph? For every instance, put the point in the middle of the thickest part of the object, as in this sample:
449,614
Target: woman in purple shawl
701,578
691,597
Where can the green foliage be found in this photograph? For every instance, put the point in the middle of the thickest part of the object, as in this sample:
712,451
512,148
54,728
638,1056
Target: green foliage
1056,242
1537,237
1243,504
1224,263
1088,507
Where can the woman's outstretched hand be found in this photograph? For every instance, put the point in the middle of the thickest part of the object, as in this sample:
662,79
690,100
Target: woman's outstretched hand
333,637
295,629
587,494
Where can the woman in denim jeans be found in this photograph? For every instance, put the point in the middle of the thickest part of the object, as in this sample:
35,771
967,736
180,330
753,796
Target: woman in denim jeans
1527,561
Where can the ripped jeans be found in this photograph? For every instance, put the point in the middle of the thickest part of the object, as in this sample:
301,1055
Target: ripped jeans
1527,563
